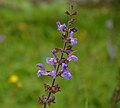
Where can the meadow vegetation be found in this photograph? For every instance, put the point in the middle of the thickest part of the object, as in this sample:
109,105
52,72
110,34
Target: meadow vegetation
28,33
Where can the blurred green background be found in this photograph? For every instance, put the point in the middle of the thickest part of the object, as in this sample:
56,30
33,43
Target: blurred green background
28,32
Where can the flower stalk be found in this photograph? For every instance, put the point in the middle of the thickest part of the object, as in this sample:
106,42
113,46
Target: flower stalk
60,64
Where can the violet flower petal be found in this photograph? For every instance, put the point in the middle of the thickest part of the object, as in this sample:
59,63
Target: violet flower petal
61,27
67,75
64,66
52,73
41,66
75,58
54,54
73,41
51,61
41,72
71,34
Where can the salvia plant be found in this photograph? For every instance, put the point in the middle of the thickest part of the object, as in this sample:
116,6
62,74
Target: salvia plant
59,63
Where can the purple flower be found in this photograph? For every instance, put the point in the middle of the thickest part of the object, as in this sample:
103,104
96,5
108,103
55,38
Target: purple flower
71,34
64,67
54,54
72,40
70,57
41,66
52,73
67,75
61,27
51,61
42,71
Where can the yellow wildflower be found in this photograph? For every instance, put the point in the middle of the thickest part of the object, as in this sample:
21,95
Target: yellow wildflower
13,78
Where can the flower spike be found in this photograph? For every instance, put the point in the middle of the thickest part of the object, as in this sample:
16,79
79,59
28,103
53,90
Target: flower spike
59,61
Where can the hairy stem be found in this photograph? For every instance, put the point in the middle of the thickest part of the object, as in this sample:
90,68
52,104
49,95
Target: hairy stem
53,82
